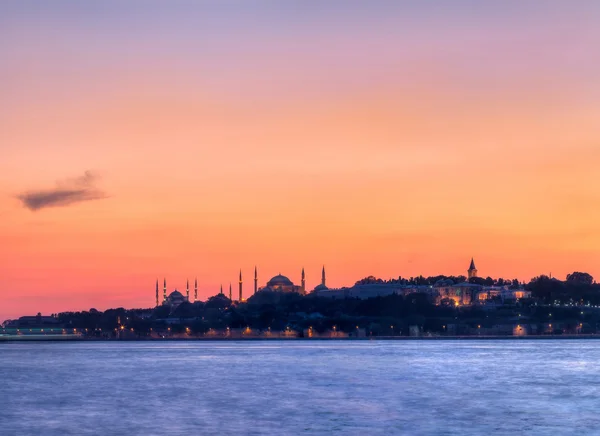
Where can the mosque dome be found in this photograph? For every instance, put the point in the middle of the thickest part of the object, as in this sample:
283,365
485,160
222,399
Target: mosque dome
175,294
321,287
279,280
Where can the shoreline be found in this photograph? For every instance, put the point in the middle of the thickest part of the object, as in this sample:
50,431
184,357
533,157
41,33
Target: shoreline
25,338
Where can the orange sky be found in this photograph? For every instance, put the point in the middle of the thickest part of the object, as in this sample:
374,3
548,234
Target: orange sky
294,146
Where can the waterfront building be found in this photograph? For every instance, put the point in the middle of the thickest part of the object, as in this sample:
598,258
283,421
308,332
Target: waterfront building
443,292
500,295
281,283
489,294
37,321
373,290
461,294
174,299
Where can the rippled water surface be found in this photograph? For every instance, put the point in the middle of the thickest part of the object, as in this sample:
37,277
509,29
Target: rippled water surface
538,387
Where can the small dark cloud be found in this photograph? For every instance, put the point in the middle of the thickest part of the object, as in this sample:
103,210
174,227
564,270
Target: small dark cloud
65,193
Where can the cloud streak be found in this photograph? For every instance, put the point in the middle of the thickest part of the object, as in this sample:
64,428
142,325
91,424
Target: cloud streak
65,193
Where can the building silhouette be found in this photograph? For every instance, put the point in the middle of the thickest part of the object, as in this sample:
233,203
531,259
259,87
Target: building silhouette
472,271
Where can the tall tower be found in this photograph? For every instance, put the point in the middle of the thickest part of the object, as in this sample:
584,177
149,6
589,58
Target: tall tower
156,292
230,295
196,290
187,290
221,290
303,281
323,276
255,280
472,271
165,291
241,299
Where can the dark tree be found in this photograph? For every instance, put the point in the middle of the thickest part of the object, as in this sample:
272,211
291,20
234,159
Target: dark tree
488,281
162,312
185,310
580,278
219,301
477,281
546,289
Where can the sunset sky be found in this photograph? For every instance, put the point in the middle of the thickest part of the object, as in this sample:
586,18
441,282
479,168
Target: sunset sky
180,139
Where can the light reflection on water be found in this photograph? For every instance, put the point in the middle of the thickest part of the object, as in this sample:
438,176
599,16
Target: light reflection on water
538,387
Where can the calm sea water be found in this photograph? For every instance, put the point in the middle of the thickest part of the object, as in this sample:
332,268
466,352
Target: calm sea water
535,387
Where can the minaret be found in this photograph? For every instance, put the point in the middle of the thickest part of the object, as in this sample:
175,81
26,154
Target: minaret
472,271
196,290
187,290
230,296
255,280
221,290
165,291
241,299
156,292
323,276
303,281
